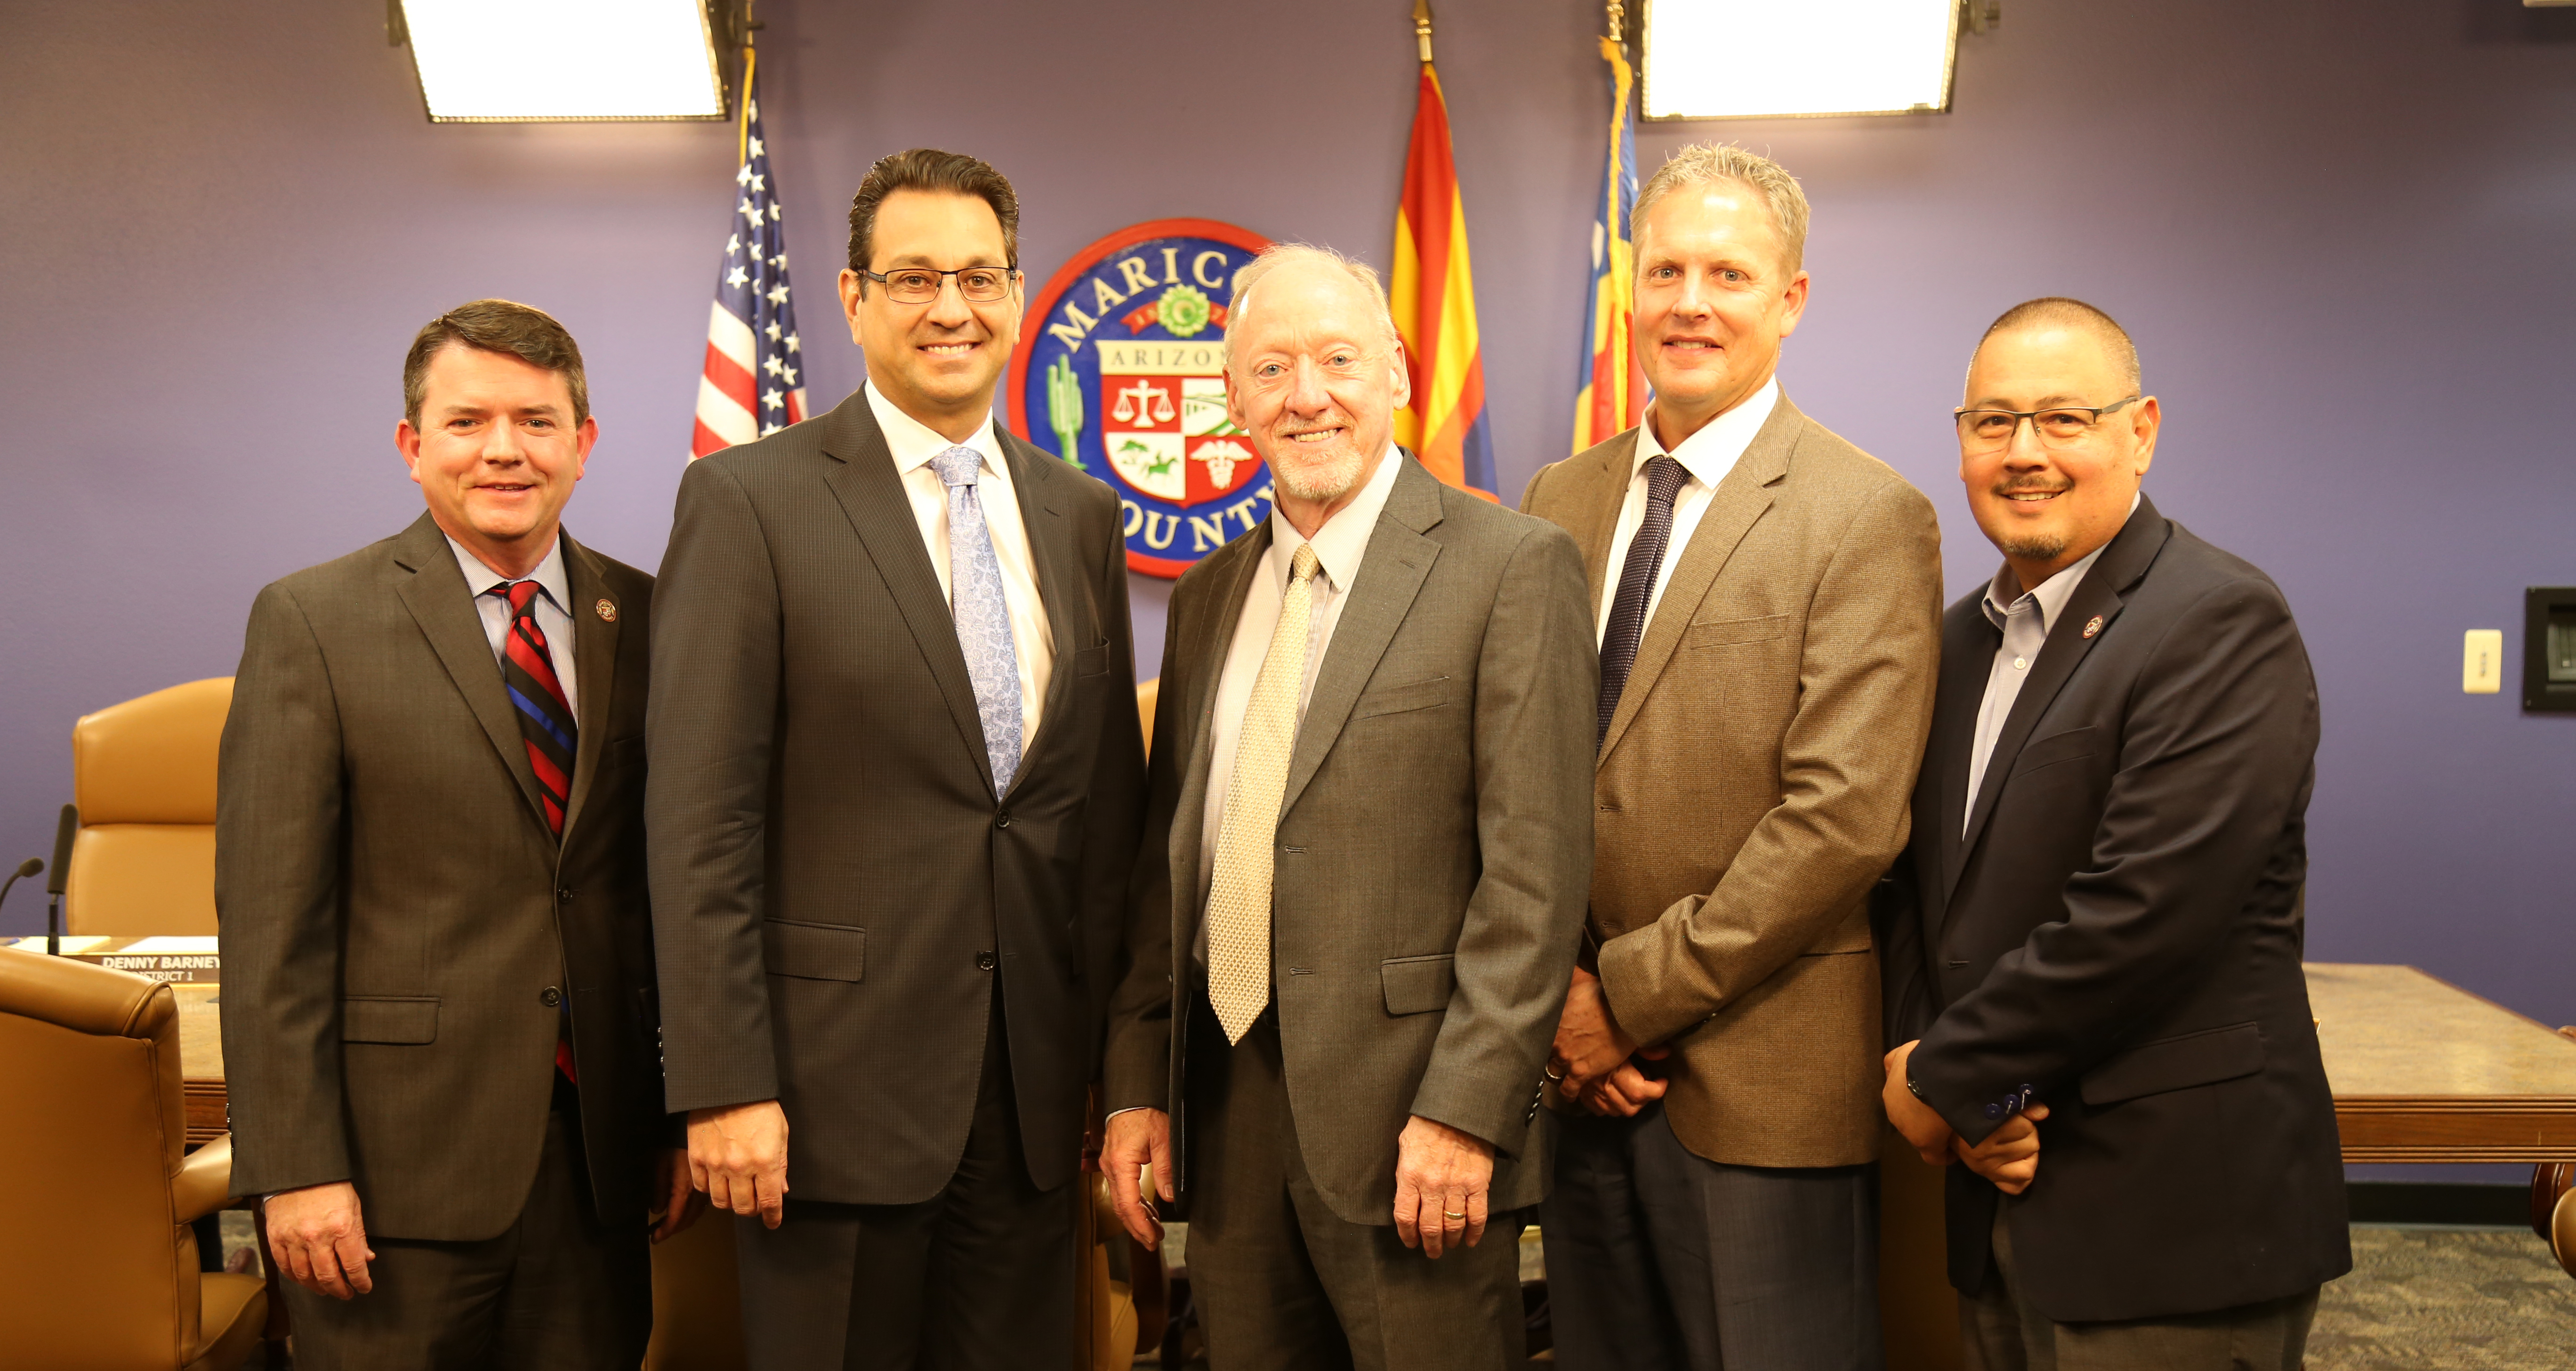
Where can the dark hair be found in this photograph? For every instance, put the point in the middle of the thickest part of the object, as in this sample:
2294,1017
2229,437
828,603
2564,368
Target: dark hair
2059,309
933,170
505,326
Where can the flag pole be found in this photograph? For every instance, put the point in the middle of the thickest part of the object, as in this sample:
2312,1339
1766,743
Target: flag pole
750,64
1422,28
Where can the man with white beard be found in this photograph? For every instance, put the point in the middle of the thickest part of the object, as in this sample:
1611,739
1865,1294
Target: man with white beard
1368,846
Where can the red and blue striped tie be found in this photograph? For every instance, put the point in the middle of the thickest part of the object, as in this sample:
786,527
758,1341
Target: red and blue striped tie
545,716
545,725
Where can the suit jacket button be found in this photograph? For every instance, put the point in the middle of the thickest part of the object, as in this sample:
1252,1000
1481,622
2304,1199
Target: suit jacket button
984,961
1002,820
1994,1111
550,997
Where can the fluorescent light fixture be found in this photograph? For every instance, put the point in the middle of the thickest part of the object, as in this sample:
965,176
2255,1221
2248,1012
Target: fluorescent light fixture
495,61
1747,59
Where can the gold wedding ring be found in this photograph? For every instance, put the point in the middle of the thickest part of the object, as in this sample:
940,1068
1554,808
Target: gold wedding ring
1447,1215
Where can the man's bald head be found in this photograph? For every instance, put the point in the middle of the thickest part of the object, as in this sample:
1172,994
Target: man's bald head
2057,311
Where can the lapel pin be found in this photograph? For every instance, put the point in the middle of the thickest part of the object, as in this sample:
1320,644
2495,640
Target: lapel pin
2091,626
608,614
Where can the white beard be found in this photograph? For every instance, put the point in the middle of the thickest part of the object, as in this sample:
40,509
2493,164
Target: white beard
1320,481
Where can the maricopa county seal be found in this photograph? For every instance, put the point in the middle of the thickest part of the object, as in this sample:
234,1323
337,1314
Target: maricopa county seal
1121,363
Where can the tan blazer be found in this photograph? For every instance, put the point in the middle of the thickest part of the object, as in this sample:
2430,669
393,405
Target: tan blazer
1754,784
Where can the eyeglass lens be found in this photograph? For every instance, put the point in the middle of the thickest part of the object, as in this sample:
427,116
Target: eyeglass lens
1994,427
980,284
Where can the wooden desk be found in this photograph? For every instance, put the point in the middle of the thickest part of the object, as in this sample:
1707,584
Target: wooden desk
2423,1071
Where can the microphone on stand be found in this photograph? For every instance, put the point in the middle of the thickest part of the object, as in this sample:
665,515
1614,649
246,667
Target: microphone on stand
25,869
64,828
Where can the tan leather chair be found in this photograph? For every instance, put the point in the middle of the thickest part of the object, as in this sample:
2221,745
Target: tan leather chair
99,1271
143,775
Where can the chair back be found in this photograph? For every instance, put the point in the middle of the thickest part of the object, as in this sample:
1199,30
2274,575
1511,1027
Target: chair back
98,1272
143,775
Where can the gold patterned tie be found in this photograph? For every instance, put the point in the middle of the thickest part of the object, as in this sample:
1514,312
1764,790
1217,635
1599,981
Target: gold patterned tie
1238,913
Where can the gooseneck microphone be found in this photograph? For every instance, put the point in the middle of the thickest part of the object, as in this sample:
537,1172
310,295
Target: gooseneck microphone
64,828
25,869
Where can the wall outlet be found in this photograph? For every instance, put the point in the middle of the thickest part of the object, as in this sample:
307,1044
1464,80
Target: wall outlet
2482,662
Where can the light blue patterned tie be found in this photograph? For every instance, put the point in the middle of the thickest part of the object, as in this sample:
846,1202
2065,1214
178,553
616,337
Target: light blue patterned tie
983,620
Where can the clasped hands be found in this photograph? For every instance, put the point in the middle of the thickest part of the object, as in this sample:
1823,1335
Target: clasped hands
1443,1179
1594,1061
2009,1156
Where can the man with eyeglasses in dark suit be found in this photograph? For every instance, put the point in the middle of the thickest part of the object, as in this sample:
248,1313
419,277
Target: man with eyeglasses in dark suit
896,789
2092,949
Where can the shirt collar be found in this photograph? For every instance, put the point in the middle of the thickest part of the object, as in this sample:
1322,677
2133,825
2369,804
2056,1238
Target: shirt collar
914,443
2048,596
1344,537
549,575
1714,450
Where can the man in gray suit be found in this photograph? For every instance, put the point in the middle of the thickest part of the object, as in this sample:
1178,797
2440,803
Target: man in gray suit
1363,875
429,864
896,790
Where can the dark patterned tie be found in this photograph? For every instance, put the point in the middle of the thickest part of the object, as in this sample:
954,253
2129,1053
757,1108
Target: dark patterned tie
1664,479
545,716
546,726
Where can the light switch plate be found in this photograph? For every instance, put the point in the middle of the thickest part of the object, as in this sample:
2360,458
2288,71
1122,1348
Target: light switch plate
2482,662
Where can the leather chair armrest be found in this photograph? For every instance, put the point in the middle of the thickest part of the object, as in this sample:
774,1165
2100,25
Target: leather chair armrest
205,1181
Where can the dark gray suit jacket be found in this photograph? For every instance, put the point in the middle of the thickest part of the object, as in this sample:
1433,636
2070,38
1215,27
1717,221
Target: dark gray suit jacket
1435,844
835,883
2118,933
395,912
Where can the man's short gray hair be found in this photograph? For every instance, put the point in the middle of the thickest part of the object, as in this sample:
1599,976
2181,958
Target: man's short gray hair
1278,255
1700,165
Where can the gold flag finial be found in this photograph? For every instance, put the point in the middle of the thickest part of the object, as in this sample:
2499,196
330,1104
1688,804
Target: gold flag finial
1618,16
1422,27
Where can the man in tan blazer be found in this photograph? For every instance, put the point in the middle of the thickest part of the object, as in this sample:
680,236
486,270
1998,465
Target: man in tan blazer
439,1013
1367,845
1767,599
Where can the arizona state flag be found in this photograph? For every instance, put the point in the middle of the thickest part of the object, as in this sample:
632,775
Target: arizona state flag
1433,297
1612,394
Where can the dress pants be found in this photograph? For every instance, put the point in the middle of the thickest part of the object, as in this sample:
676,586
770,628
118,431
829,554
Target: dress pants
1661,1260
557,1291
1281,1281
2003,1333
979,1277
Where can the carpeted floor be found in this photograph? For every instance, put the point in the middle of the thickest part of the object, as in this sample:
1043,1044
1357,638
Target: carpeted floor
2433,1299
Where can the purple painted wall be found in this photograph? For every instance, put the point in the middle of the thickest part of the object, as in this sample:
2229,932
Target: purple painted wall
2340,232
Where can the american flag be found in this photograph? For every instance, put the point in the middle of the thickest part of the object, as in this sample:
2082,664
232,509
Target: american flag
754,383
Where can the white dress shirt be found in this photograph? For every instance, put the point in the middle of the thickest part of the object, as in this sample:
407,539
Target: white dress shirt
1338,545
1707,455
554,610
2025,621
914,444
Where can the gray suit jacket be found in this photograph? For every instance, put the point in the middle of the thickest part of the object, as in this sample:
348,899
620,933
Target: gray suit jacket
397,920
836,886
1435,842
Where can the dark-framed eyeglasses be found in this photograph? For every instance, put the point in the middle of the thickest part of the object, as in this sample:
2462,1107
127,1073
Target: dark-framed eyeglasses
1985,430
920,285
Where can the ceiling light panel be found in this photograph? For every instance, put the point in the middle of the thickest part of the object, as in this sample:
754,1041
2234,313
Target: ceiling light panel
1744,59
513,60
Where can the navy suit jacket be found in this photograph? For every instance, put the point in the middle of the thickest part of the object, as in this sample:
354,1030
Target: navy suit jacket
2112,925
